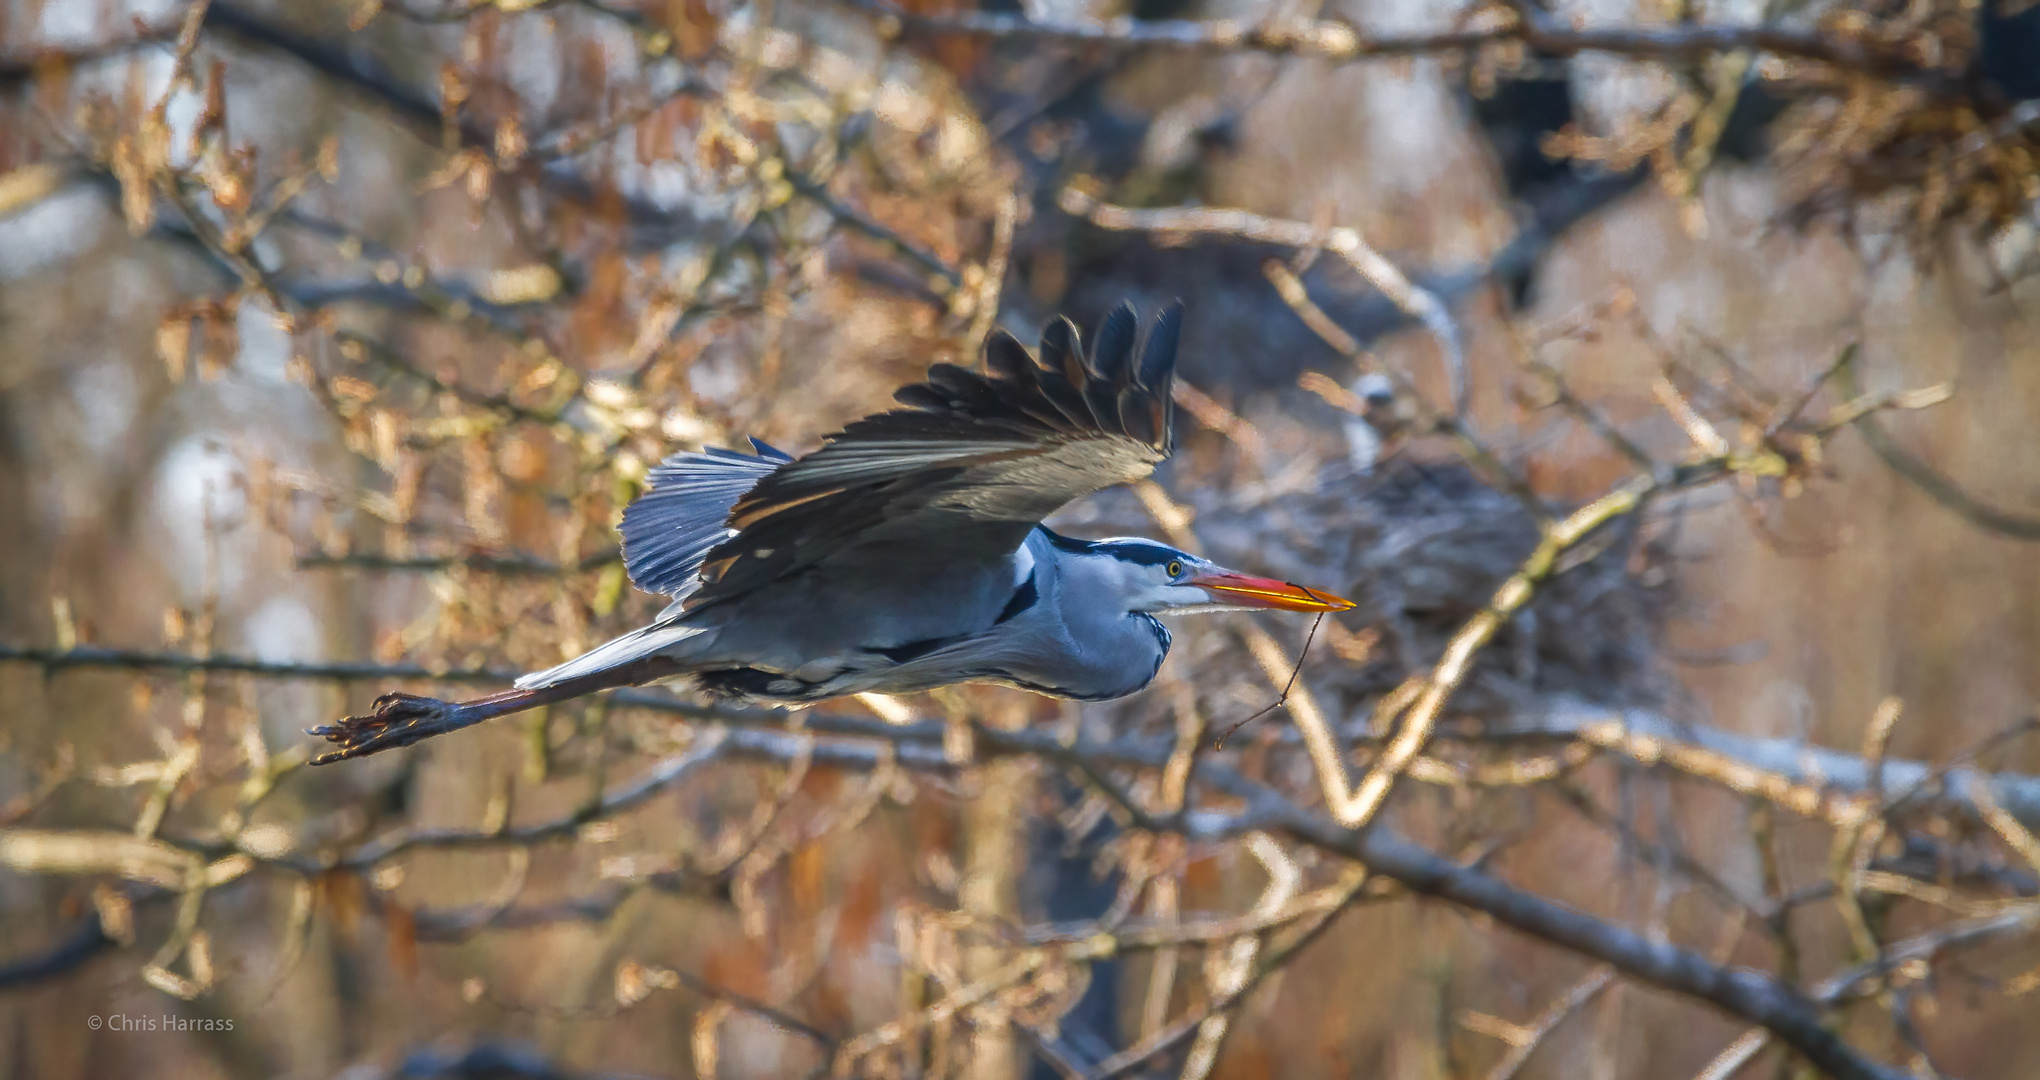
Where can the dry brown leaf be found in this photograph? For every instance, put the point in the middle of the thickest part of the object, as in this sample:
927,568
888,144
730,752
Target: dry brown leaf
173,345
510,142
28,185
454,171
521,285
137,197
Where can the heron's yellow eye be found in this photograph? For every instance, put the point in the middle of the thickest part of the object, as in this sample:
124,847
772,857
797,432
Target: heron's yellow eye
1174,568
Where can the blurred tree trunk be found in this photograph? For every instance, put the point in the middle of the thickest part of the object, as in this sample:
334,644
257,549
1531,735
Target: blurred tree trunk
995,854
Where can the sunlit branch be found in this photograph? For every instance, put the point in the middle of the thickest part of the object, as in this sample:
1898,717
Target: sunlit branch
1343,42
422,116
1798,776
1757,998
1751,995
1483,458
491,564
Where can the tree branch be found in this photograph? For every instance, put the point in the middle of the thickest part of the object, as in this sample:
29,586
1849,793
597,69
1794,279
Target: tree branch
84,943
493,564
1654,738
1341,42
1412,299
1930,481
1753,996
22,66
1791,761
94,656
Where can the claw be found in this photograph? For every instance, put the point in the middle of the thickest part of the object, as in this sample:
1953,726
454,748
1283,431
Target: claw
398,720
403,719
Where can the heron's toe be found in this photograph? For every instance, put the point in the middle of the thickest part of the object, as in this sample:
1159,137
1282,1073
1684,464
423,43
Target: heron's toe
397,720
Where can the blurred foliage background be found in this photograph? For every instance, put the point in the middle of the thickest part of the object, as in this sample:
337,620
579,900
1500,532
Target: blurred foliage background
335,336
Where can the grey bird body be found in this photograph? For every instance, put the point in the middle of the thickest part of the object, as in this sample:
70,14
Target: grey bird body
907,552
1020,620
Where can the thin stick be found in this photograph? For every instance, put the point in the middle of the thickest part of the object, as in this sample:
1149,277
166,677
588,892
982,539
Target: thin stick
1412,299
1286,687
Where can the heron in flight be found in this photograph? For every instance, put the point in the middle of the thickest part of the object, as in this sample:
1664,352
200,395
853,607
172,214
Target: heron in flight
905,554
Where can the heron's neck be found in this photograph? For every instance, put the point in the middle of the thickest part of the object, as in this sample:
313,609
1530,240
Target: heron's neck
1114,650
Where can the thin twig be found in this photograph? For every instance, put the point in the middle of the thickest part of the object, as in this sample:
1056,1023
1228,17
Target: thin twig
1414,300
1930,481
1570,1002
493,564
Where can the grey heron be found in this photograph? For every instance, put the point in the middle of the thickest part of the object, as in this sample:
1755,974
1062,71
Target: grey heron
907,553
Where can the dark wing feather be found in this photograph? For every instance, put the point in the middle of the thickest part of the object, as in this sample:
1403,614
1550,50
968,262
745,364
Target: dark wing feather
1146,408
1111,363
767,450
1158,353
1113,350
1062,353
971,464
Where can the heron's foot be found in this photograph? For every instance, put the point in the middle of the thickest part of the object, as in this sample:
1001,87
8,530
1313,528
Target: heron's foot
398,720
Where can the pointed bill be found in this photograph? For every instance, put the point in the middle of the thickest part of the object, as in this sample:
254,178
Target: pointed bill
1242,590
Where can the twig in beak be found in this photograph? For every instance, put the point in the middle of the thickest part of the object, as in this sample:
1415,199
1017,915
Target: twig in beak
1286,687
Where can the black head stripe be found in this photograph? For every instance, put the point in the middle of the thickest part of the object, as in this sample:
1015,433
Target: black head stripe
1143,553
1131,549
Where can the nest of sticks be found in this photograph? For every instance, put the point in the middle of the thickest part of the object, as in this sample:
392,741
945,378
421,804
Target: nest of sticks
1421,548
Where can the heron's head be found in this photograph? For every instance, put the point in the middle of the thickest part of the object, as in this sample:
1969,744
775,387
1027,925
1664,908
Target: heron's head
1161,580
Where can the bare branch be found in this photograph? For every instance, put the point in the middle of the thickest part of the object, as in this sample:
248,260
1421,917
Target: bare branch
1570,1002
1930,481
21,66
1736,1055
1417,302
859,221
1637,732
1754,997
1234,965
1870,978
94,656
1341,42
660,777
84,943
1751,995
1801,777
493,564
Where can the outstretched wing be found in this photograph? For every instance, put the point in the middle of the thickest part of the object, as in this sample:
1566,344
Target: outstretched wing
972,464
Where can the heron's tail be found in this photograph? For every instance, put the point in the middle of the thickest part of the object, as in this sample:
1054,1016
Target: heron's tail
628,649
673,526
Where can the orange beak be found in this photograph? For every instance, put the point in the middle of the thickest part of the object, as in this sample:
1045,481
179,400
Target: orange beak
1241,590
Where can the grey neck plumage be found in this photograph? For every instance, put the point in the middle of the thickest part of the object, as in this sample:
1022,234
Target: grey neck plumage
1076,626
